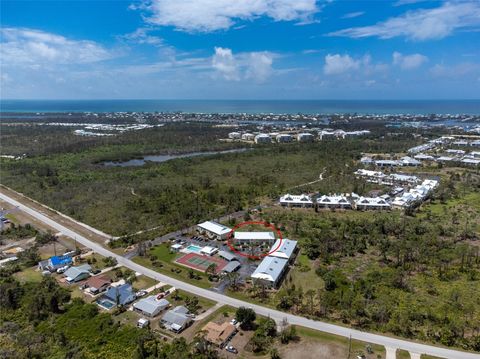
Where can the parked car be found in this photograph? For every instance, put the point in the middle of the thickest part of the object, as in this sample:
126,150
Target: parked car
233,322
141,293
96,271
62,269
231,349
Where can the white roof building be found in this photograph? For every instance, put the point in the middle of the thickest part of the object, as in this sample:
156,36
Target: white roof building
284,137
305,137
234,135
209,251
270,270
263,138
423,157
456,152
214,229
285,249
371,203
151,306
409,161
387,163
335,201
248,136
254,236
446,159
290,200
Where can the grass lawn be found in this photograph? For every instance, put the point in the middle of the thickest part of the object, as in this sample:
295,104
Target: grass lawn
144,282
29,275
163,253
303,274
356,345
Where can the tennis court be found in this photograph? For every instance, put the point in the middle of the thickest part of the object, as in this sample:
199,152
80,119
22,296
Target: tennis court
200,263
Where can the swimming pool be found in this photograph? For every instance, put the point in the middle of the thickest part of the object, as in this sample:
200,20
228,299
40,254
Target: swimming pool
194,248
107,304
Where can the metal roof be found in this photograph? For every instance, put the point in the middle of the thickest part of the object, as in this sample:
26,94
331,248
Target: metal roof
285,250
231,267
254,235
214,227
227,255
270,269
150,304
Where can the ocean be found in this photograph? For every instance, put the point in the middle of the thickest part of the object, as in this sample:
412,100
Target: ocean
248,106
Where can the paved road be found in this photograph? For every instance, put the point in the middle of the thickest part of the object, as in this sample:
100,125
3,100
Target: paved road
274,314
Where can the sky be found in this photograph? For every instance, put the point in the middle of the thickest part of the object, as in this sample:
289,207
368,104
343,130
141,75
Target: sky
240,49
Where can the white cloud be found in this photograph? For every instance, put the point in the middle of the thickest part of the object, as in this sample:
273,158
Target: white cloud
423,24
224,62
212,15
256,66
141,36
259,66
408,62
339,64
352,15
23,46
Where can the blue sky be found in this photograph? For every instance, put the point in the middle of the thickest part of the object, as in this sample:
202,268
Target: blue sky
232,49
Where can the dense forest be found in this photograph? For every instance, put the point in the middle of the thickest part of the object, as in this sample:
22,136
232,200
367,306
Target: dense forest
180,192
39,320
415,275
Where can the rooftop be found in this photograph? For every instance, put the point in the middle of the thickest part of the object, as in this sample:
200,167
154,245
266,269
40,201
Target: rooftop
285,250
254,235
270,269
215,227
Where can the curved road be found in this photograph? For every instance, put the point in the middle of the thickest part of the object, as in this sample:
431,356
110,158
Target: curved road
278,316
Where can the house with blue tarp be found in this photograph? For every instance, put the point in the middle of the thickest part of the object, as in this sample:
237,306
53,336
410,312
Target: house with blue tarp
55,262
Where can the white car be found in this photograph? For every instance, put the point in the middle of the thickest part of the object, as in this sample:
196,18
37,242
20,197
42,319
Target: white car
141,293
233,322
62,269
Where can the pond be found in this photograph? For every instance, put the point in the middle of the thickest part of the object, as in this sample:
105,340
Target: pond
163,158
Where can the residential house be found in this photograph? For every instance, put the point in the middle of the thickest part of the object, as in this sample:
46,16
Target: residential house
119,295
335,201
55,262
76,274
284,138
176,319
234,135
290,200
371,203
263,138
305,137
248,137
151,306
97,284
219,334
